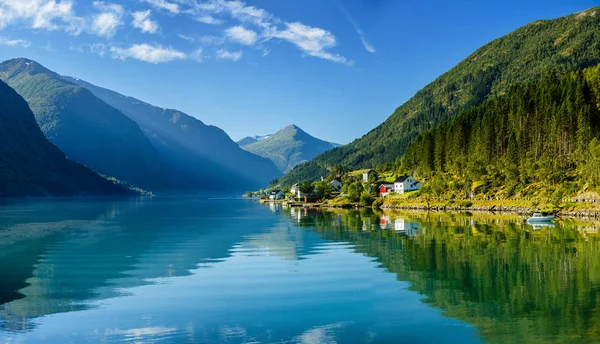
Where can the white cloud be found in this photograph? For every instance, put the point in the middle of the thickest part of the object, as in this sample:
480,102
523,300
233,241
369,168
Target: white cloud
142,21
312,41
41,14
165,5
147,53
14,42
241,35
107,22
223,54
206,19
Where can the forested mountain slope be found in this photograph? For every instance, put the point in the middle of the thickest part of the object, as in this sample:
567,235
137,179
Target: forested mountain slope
564,44
87,129
32,166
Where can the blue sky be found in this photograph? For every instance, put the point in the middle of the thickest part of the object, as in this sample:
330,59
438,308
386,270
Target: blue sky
336,68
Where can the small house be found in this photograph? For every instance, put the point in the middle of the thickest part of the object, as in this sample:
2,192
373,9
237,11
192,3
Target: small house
367,174
294,189
276,194
385,188
336,185
405,184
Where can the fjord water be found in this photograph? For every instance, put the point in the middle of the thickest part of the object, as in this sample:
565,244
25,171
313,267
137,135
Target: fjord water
199,270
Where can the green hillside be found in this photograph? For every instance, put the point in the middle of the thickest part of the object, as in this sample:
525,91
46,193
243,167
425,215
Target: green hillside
32,166
543,135
565,44
84,127
289,147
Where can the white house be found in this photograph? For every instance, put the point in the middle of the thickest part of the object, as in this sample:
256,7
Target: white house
406,183
276,194
367,174
336,185
294,189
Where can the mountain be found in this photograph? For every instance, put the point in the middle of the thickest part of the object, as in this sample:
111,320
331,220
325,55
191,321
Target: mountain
565,44
31,166
289,147
541,139
202,152
84,127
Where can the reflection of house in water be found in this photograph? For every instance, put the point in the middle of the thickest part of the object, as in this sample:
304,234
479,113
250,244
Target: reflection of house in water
407,227
385,222
399,224
275,207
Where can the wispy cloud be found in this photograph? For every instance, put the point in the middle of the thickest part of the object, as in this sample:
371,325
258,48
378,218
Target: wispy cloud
147,53
164,5
186,38
198,55
14,42
142,21
241,35
359,31
223,54
108,20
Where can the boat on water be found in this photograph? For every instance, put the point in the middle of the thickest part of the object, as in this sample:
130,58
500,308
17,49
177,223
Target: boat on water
540,218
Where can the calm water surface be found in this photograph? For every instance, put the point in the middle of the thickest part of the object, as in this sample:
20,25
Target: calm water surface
200,270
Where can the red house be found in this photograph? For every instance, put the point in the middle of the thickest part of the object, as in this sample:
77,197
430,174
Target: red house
385,189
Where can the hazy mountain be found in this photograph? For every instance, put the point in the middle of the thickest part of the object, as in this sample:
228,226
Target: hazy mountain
564,44
84,127
204,152
289,147
32,166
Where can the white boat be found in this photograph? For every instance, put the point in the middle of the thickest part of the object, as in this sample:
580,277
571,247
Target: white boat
540,218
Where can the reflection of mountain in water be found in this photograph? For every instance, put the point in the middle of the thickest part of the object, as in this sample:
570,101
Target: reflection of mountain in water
90,253
514,283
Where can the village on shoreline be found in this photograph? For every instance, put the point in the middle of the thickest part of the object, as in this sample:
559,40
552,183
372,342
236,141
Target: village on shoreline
387,191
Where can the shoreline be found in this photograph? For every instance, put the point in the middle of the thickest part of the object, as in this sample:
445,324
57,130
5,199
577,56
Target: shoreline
495,208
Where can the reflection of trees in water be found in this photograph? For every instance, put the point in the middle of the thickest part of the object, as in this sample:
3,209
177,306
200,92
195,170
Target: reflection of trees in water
515,284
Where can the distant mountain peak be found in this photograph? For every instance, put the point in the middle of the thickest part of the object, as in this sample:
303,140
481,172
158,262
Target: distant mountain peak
287,148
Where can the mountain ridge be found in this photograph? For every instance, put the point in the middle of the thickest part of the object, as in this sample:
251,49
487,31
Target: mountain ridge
289,147
200,151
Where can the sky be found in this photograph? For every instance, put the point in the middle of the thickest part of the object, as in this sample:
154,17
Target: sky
335,68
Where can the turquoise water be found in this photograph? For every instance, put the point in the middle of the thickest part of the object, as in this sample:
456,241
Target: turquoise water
196,270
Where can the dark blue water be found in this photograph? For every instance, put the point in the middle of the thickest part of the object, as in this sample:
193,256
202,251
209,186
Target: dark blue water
200,270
